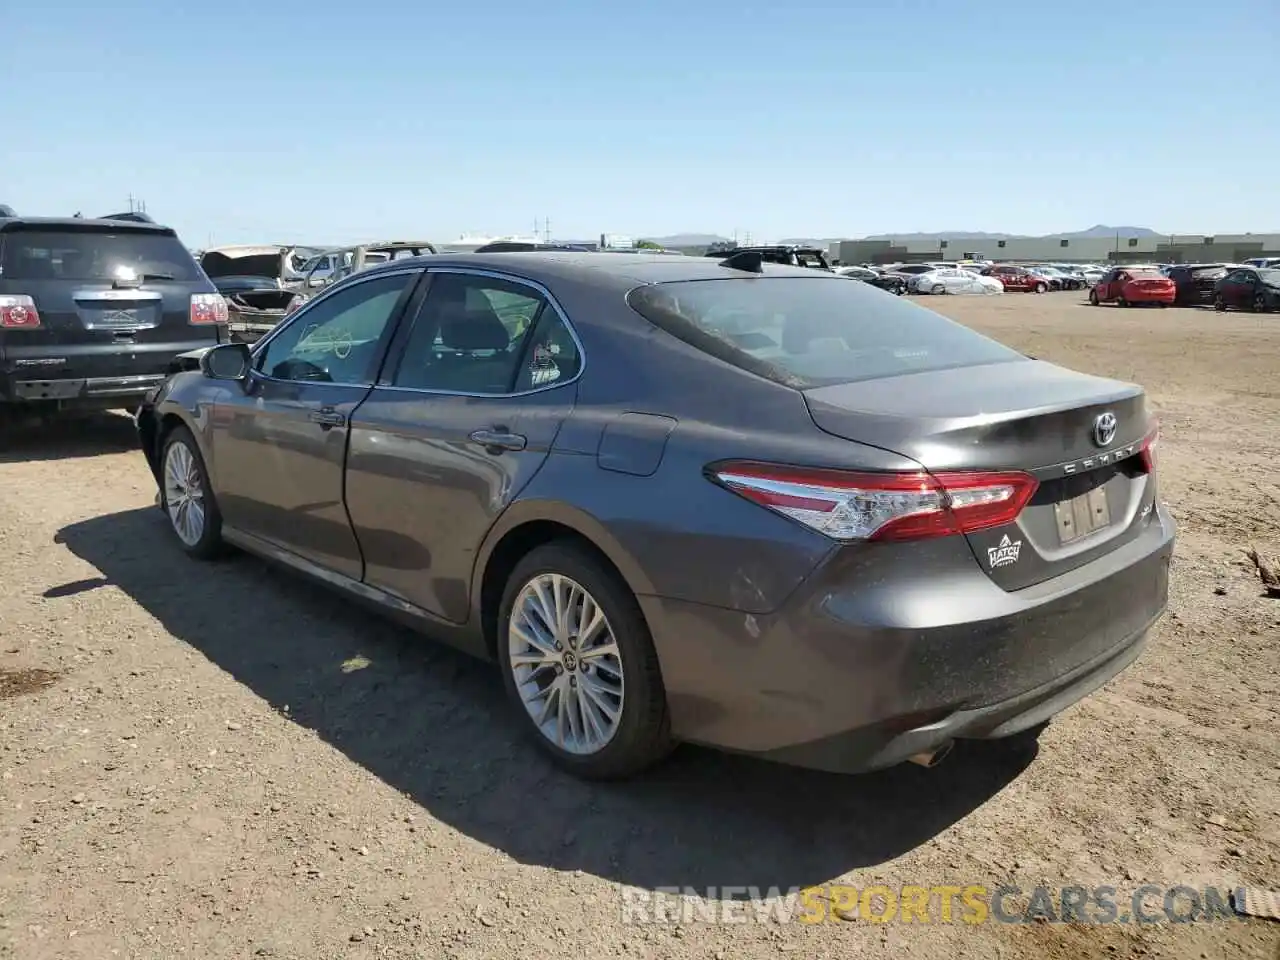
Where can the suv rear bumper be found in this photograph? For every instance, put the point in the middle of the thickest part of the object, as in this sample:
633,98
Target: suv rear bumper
83,375
85,388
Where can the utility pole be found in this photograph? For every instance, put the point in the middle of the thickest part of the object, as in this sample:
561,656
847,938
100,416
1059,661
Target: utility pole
546,229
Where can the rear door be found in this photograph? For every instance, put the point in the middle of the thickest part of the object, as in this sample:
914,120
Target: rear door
114,300
454,430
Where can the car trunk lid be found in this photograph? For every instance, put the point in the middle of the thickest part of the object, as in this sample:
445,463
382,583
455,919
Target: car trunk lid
1081,436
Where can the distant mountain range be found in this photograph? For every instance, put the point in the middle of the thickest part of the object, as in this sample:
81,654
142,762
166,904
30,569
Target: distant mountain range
1099,230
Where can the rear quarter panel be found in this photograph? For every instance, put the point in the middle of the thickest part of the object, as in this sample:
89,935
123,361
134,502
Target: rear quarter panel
681,535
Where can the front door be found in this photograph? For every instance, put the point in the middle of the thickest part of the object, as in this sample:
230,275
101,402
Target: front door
280,445
455,429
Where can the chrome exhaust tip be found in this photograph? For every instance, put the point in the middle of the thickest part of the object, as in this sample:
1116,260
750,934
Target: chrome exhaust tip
931,758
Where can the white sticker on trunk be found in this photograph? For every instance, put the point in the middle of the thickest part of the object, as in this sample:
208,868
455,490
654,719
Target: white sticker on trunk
1005,552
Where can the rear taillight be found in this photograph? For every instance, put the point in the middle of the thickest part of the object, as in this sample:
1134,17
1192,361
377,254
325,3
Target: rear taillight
18,312
208,308
882,506
1148,451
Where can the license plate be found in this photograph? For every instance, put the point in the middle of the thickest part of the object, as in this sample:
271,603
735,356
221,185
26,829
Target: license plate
116,319
1082,515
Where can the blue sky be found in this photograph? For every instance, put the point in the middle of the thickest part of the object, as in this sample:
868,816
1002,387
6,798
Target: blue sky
331,121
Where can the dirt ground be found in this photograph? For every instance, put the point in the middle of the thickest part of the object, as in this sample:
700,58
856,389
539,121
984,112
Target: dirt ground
223,762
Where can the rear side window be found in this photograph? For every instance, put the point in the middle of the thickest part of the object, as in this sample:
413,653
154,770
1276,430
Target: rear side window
812,332
81,254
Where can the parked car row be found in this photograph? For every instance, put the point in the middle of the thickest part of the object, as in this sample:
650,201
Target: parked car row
1222,285
980,277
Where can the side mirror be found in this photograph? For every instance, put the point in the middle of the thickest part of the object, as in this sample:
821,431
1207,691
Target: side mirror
227,361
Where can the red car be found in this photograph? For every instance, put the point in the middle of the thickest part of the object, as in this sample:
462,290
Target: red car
1018,278
1130,285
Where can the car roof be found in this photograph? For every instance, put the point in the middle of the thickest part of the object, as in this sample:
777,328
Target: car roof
55,223
595,269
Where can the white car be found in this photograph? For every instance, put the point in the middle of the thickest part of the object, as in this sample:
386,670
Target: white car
952,280
1092,275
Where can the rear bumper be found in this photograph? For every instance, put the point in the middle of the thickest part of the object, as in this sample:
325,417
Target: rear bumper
81,375
1147,296
887,653
89,388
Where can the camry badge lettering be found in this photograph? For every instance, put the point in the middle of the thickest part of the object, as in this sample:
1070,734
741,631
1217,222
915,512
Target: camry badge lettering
1104,429
1110,456
1004,553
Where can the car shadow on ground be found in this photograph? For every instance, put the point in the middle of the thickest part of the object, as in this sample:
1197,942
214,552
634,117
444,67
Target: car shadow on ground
24,439
435,725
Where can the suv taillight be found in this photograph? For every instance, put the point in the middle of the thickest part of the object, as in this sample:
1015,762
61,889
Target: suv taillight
18,312
208,308
882,506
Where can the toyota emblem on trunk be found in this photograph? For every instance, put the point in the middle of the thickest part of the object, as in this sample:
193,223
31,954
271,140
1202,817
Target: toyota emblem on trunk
1104,429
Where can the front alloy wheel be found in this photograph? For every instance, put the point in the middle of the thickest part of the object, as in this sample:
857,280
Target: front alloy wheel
1260,303
186,498
577,658
184,494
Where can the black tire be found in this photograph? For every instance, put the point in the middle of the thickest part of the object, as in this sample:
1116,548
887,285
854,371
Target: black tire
938,290
1219,304
643,736
210,545
1093,298
1260,303
1041,288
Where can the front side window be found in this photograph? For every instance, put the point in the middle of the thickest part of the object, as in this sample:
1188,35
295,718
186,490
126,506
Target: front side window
487,336
336,340
811,332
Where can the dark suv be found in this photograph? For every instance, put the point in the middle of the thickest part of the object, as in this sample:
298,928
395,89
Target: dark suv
93,313
1196,281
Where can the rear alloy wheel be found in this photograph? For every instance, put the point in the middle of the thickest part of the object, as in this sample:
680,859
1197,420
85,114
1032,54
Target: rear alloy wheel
938,290
1041,288
1260,303
186,497
1219,304
578,661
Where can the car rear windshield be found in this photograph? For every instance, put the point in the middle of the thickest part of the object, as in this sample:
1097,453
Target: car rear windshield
87,254
812,332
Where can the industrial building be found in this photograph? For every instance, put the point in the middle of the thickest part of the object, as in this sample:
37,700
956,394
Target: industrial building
1177,248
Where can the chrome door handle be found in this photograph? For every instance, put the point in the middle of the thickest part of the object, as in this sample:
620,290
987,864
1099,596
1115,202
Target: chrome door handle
495,441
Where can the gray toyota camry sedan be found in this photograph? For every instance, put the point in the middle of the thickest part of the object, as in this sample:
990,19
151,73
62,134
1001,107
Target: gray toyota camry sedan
684,499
